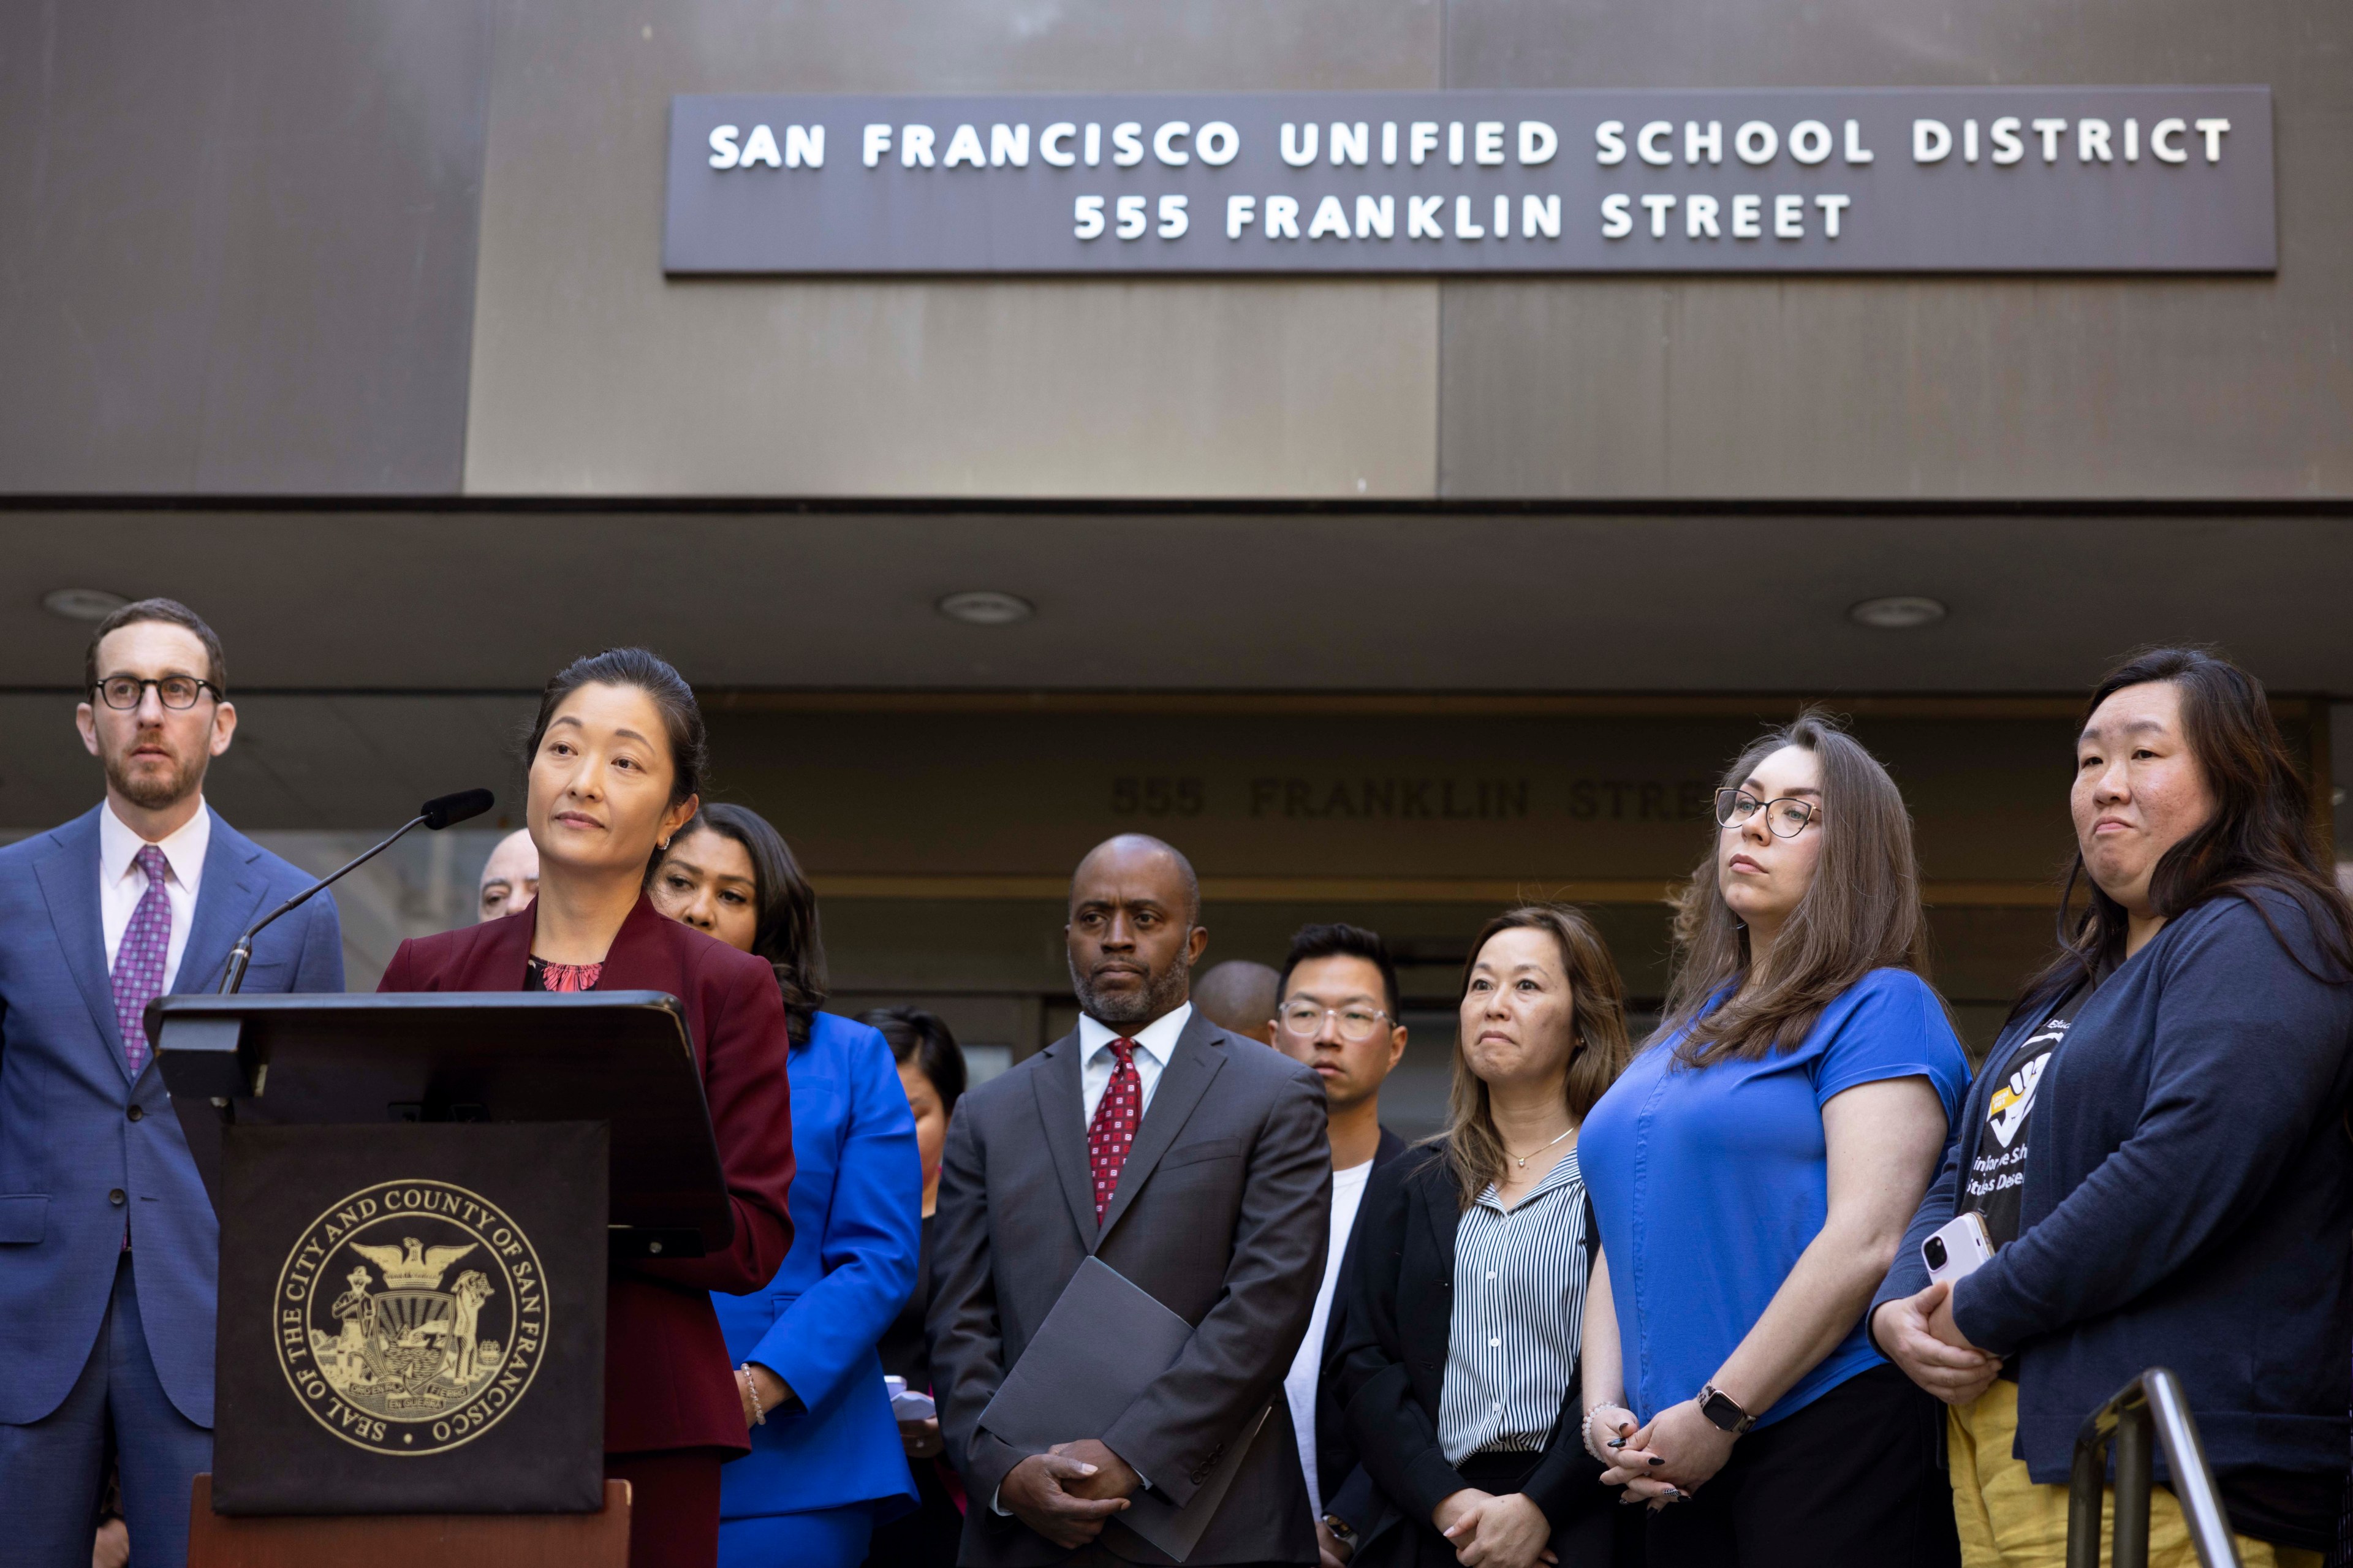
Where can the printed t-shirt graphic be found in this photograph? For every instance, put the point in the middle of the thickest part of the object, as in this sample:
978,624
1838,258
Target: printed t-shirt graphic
1996,1174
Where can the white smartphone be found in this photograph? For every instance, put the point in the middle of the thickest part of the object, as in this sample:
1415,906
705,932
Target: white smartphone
1958,1250
906,1406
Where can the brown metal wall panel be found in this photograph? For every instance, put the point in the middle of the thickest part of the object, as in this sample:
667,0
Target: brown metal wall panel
239,244
594,374
1952,387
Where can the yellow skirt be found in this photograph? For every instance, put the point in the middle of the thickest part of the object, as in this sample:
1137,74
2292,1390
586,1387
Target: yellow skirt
2008,1521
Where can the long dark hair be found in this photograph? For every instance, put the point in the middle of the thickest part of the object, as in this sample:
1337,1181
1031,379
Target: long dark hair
1862,912
785,930
2261,835
1599,1052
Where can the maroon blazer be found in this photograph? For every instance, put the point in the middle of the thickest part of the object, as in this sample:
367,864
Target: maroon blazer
668,1382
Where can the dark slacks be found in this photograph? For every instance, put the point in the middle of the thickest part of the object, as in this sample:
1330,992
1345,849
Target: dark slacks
52,1469
927,1538
1852,1478
673,1505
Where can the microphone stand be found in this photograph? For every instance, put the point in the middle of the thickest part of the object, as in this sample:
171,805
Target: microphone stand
242,953
436,814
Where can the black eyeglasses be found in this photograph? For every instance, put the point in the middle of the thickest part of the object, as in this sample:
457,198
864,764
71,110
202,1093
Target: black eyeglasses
177,693
1786,818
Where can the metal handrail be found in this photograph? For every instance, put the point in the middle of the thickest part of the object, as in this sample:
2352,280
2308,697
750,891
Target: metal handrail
2154,1399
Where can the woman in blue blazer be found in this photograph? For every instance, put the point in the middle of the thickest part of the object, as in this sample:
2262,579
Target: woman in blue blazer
827,1463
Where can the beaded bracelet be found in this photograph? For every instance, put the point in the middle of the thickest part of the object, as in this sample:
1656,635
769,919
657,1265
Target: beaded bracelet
752,1387
1596,1453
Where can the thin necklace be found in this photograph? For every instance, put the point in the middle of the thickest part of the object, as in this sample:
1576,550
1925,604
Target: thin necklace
1532,1154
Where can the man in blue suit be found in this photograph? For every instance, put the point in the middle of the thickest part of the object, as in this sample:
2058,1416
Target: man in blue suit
109,1250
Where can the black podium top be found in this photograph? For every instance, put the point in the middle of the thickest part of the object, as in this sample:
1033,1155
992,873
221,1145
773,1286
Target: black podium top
617,1056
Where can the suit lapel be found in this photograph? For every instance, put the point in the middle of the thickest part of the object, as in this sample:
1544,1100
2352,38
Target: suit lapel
68,879
1433,1196
228,900
500,956
640,958
1062,1107
1198,1057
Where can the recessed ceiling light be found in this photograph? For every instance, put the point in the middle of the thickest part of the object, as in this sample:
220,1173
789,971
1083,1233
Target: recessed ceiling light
1898,613
987,608
82,603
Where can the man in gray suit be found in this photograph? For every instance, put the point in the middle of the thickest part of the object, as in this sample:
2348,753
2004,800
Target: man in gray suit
1192,1160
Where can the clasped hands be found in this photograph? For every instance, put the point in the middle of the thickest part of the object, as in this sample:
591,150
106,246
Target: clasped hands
1918,1334
1069,1492
1491,1532
1665,1461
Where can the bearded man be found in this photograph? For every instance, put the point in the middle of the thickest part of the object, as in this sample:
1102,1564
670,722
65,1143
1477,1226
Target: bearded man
109,1252
1192,1160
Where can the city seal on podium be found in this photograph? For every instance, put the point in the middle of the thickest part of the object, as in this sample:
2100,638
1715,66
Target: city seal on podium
411,1317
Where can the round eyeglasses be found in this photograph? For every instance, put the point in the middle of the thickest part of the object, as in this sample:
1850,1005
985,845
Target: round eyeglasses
1786,818
1304,1020
178,692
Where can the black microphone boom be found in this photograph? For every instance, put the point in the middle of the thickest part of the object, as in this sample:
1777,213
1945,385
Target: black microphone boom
435,814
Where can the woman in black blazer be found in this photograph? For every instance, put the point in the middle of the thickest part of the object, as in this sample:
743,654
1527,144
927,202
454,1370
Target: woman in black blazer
1457,1364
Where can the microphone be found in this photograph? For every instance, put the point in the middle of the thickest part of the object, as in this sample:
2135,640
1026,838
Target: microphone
434,814
439,813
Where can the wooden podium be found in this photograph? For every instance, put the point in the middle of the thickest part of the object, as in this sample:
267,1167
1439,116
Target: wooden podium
407,1539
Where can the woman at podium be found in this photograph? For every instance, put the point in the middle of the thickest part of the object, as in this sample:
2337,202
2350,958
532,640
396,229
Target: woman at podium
616,760
827,1462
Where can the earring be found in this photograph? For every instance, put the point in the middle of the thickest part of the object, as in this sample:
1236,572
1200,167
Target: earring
663,846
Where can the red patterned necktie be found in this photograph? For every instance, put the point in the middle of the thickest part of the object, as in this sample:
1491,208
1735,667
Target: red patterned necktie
1113,1131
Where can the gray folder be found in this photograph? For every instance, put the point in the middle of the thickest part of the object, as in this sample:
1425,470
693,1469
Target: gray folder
1102,1346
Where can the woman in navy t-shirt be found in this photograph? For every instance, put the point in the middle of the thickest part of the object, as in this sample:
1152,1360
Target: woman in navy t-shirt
1753,1172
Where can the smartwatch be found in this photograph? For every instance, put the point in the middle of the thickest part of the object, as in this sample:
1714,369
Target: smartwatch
1724,1411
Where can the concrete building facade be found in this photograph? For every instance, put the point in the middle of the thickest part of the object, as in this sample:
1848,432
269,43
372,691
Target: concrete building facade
1392,597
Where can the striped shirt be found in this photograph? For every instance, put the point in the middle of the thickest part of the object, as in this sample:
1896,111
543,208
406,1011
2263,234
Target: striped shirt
1519,1306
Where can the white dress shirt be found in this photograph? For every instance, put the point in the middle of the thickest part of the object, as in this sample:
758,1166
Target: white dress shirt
122,884
1154,1044
1307,1366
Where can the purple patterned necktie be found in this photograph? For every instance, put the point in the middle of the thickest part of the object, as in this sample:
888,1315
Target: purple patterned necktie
139,962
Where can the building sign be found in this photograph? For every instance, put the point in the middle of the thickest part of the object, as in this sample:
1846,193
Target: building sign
2044,179
1372,787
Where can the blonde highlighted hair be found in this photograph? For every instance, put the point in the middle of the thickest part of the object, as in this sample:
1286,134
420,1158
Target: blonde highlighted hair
1598,1049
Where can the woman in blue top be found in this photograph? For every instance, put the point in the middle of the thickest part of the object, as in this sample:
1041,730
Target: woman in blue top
827,1463
1752,1172
2156,1147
